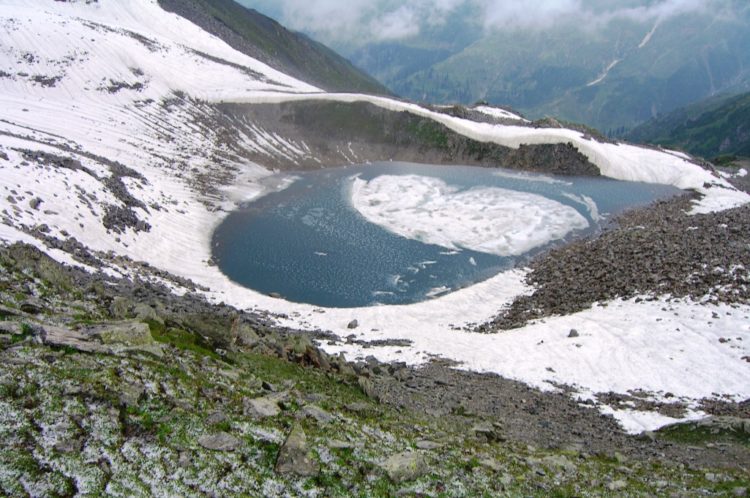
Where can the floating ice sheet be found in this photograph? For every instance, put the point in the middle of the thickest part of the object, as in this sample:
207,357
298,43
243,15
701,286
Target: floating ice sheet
485,219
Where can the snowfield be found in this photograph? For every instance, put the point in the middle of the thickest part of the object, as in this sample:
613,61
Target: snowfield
496,112
492,220
123,89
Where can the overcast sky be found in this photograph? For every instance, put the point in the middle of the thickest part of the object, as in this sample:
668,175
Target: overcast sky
344,21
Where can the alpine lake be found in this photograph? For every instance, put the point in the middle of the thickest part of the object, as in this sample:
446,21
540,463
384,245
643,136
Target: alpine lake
309,243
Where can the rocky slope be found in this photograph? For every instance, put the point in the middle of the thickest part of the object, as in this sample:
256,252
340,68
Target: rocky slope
337,133
122,388
656,251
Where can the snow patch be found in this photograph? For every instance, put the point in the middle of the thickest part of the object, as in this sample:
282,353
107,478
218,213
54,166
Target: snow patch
497,112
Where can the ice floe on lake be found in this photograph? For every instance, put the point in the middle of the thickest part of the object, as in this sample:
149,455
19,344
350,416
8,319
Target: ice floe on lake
485,219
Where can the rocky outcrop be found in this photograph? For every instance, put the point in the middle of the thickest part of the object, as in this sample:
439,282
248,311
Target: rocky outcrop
336,133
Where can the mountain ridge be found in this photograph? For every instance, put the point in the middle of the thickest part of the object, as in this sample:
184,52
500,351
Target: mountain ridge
265,39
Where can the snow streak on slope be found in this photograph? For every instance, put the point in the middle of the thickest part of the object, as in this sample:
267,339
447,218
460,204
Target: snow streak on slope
649,35
488,219
604,74
107,138
101,98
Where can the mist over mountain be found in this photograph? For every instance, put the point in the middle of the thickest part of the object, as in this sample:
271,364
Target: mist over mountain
611,65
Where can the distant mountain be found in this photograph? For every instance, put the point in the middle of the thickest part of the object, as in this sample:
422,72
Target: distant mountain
717,126
262,38
611,78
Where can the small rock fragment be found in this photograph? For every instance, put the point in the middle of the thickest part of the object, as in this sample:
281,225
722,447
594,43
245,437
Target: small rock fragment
219,442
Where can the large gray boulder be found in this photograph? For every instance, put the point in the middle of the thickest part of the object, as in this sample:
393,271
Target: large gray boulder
261,407
405,466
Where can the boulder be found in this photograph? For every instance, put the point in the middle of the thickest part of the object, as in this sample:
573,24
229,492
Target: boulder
145,312
317,413
367,387
64,337
129,333
294,456
32,306
120,307
245,335
261,407
219,442
490,432
405,466
12,328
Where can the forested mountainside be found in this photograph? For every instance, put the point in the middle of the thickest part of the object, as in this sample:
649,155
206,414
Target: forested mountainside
710,128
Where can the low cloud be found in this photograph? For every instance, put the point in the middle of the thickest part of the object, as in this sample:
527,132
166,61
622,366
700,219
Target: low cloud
360,21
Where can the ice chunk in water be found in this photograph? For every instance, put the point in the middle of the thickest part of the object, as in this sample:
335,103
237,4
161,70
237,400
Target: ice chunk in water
484,219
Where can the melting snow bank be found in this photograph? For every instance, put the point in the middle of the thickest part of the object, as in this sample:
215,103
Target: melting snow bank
484,219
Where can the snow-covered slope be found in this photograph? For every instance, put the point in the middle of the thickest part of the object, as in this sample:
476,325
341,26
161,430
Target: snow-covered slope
109,138
119,81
